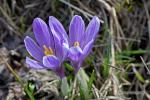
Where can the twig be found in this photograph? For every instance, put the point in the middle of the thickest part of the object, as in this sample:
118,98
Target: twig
148,18
78,9
10,21
116,68
12,71
83,6
145,65
106,5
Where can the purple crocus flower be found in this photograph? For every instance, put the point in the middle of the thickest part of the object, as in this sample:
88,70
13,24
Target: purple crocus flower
49,50
81,39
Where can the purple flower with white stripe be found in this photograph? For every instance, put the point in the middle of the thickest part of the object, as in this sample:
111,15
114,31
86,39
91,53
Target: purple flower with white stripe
81,39
50,48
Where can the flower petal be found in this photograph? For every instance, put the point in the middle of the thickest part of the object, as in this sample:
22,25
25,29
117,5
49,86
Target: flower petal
59,29
76,29
65,50
60,72
87,48
77,66
42,33
58,39
34,64
51,62
75,53
58,46
34,50
92,29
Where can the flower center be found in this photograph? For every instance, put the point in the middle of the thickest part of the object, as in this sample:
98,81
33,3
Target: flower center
48,51
76,44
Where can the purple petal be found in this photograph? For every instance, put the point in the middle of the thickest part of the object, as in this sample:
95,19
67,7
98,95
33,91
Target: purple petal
34,50
65,50
58,41
34,64
76,29
42,33
75,53
51,62
87,48
58,27
92,29
77,66
60,72
58,46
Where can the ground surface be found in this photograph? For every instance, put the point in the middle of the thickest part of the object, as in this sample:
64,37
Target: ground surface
120,57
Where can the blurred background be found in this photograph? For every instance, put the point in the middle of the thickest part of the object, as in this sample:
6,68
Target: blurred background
120,56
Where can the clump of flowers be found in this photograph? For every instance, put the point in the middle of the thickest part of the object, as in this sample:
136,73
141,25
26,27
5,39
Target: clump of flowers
53,46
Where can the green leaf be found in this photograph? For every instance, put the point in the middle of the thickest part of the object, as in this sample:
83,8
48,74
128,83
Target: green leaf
28,92
82,79
136,52
138,75
89,60
90,82
82,96
68,66
65,89
92,78
106,68
31,87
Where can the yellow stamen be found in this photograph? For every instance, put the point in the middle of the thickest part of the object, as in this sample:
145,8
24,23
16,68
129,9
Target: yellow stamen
48,51
76,44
